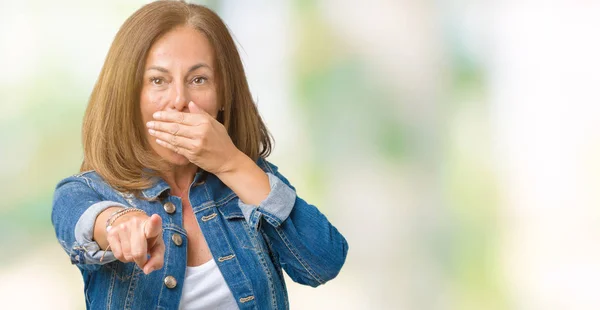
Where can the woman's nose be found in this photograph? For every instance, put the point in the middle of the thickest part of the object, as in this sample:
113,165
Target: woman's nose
179,97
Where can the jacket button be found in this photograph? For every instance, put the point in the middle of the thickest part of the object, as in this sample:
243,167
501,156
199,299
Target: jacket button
169,207
170,282
177,239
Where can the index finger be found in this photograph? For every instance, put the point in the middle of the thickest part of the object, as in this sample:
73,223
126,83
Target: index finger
191,119
171,116
138,246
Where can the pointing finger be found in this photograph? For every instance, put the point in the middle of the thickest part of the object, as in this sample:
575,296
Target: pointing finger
153,226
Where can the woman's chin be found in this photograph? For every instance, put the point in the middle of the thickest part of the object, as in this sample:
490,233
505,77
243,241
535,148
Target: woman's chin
175,159
169,156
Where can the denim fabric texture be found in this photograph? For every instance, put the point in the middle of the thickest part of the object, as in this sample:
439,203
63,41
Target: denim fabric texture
250,244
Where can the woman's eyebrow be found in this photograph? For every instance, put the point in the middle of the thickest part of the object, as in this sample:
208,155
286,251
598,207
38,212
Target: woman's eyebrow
161,69
198,66
192,68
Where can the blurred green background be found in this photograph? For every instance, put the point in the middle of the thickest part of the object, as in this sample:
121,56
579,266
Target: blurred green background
454,143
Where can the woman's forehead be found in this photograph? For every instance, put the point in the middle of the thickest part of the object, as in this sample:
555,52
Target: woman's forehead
182,46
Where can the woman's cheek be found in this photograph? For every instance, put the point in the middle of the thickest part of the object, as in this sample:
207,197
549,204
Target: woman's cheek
157,102
207,100
150,104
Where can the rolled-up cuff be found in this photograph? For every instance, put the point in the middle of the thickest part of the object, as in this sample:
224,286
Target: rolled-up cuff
276,207
89,251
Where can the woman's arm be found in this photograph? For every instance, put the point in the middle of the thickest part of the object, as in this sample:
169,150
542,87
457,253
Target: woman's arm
100,235
306,244
79,218
75,209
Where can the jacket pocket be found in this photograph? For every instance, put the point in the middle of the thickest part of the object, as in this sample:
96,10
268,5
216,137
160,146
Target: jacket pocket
236,225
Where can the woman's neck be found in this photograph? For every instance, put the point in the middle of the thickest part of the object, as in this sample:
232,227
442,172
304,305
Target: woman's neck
179,178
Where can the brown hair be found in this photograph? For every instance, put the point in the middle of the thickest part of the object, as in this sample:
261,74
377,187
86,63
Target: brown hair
114,143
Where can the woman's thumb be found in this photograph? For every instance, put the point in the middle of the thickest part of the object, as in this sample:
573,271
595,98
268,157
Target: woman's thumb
153,226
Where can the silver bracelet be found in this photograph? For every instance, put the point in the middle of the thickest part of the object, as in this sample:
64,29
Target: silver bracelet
113,217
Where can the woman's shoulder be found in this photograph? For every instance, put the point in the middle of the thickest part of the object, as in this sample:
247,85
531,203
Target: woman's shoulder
266,165
88,178
271,168
90,175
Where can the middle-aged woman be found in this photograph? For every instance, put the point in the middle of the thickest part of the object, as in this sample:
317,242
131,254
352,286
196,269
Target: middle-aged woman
175,205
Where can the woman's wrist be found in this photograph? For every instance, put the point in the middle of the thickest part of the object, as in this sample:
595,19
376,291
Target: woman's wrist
100,226
118,214
234,163
246,179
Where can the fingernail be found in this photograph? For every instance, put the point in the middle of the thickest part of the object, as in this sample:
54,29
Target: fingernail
150,270
150,124
156,115
151,131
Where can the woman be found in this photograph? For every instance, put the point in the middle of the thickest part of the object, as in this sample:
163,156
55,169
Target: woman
175,205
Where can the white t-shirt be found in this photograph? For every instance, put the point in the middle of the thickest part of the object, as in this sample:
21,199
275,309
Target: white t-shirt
205,288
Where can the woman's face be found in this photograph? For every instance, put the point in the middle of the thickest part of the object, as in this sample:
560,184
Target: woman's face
179,69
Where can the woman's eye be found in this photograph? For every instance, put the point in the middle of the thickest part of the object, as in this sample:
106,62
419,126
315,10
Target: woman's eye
198,80
157,81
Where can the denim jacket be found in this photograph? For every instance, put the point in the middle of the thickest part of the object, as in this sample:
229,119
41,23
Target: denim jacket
250,244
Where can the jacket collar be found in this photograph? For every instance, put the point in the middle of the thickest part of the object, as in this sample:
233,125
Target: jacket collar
161,185
218,191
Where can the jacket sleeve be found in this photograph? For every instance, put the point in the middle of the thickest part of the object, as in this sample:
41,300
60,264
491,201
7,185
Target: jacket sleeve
74,210
308,247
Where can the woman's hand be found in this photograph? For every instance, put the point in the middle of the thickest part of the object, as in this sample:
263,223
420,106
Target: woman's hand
133,237
197,136
205,142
